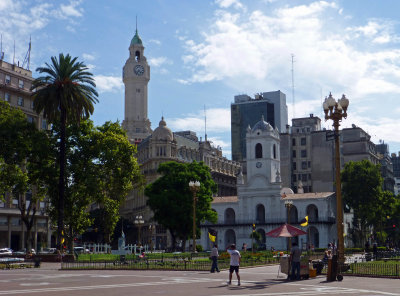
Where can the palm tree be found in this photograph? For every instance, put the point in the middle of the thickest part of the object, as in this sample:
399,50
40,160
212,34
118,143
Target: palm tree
66,93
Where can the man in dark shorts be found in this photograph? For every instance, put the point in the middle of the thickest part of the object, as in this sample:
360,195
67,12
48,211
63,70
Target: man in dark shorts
235,262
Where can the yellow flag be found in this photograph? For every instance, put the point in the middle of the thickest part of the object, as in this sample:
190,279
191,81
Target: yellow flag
212,238
304,222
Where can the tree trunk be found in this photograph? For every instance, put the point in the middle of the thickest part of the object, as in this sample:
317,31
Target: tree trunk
61,181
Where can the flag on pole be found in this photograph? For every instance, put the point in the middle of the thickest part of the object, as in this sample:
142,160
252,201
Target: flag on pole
304,222
212,234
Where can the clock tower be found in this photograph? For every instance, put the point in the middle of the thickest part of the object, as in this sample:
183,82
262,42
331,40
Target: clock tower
136,76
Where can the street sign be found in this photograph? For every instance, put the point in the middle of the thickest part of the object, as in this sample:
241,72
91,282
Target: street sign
330,135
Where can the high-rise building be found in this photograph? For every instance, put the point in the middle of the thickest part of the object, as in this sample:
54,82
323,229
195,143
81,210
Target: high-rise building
385,160
396,172
247,111
308,155
15,84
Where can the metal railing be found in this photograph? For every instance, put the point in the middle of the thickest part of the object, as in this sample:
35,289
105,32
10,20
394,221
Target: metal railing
164,264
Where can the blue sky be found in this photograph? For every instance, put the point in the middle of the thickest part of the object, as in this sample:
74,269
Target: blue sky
203,53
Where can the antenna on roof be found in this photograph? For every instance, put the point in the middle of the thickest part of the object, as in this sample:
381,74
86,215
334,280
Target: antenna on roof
27,58
294,114
1,48
14,54
205,124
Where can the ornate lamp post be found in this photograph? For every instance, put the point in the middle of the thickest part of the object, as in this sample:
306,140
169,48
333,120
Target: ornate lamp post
336,111
194,186
139,222
289,205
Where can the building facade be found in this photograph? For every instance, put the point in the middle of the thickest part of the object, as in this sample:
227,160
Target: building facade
308,154
15,84
162,145
261,200
246,111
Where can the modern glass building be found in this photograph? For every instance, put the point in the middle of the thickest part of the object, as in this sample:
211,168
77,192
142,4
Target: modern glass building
247,111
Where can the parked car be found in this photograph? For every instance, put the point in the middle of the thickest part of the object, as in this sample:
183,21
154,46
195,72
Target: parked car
5,252
23,252
49,251
81,250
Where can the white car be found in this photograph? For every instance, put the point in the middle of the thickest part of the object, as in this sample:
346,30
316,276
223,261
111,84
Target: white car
5,252
81,250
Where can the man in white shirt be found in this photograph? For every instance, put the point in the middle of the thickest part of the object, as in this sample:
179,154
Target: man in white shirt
214,258
235,262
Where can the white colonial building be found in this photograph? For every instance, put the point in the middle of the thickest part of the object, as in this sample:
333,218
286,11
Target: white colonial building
261,200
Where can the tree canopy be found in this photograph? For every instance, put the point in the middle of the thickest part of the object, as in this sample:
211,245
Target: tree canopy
101,169
362,192
24,161
65,94
171,200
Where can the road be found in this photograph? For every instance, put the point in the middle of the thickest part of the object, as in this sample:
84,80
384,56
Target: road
259,281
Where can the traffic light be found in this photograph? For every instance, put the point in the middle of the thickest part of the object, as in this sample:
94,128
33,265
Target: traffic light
254,227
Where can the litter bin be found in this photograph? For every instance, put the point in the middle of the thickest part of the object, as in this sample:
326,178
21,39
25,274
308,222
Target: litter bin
332,268
36,262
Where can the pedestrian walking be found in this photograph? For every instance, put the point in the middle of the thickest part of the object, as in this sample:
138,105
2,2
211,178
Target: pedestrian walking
214,257
295,261
235,262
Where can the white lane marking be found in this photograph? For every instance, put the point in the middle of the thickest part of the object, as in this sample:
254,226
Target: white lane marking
169,281
34,284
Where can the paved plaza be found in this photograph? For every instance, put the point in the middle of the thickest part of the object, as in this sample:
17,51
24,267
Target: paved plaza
259,281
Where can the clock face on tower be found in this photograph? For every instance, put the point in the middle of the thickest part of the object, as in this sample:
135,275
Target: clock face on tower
258,164
139,70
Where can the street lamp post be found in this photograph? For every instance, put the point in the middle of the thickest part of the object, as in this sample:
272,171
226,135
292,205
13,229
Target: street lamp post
336,111
194,187
289,205
139,222
152,227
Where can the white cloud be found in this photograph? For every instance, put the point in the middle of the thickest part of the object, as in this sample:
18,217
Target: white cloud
155,41
157,62
71,10
218,121
326,55
228,3
88,57
108,83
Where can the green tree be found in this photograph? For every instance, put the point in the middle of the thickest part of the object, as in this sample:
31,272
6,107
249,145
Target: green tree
171,200
24,160
362,191
101,169
65,94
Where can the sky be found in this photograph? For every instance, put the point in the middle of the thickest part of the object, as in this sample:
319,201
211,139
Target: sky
204,52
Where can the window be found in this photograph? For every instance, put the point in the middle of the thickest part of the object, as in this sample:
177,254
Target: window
303,141
138,90
20,83
30,119
20,101
294,166
258,150
32,104
294,153
293,142
304,177
7,97
44,124
308,129
274,151
138,129
8,79
304,165
293,178
309,164
303,153
2,204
